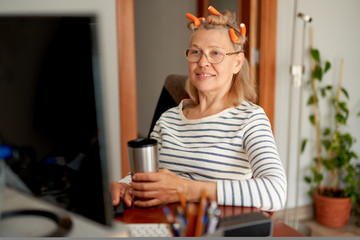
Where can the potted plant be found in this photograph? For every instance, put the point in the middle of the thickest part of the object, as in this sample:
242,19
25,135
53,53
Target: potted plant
333,175
356,205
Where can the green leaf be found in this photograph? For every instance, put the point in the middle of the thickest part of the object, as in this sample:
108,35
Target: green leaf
303,145
310,193
350,179
312,119
327,131
318,73
334,102
343,106
307,179
326,143
348,139
344,109
318,177
353,198
340,118
323,92
345,92
327,66
329,165
351,172
329,87
310,100
315,54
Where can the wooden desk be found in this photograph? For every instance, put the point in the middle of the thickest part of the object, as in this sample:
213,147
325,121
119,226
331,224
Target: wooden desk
156,215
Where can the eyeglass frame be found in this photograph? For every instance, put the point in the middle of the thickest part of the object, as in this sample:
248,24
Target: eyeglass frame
202,53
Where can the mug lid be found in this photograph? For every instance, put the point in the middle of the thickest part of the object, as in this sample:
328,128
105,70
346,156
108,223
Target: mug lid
142,142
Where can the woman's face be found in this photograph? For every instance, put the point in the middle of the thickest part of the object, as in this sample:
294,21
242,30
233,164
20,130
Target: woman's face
214,78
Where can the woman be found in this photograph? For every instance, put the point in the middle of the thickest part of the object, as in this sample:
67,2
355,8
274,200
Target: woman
217,140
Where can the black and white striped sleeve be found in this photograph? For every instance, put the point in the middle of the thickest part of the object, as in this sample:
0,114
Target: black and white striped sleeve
267,189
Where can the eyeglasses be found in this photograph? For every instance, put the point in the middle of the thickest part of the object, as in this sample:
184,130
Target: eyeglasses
194,55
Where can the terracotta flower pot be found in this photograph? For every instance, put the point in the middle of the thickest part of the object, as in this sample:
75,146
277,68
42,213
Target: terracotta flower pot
331,211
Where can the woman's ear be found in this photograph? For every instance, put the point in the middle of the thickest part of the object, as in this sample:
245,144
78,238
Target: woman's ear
239,62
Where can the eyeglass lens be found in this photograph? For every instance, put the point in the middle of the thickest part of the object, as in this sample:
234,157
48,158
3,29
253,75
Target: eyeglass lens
194,55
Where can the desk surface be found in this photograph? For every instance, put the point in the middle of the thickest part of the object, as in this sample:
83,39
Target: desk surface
36,226
156,215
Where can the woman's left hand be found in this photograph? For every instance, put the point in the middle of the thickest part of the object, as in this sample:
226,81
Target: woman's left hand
155,188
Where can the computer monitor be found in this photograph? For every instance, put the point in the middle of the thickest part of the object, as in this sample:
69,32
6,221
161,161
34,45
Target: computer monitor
52,110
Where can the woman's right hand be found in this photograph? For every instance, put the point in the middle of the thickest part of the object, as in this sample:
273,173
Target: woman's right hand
120,190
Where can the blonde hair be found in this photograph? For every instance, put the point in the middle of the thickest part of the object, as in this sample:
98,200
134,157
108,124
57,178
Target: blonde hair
241,88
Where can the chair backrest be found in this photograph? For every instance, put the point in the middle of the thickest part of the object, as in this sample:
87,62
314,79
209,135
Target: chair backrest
171,95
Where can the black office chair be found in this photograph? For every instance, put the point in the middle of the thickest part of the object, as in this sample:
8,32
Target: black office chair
171,95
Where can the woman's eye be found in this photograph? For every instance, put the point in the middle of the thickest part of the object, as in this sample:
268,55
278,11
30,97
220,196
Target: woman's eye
215,53
195,52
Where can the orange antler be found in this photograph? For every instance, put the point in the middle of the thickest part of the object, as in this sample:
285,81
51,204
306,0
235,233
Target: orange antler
243,29
201,19
233,36
193,18
213,10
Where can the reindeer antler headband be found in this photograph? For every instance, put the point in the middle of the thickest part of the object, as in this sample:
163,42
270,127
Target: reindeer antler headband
232,29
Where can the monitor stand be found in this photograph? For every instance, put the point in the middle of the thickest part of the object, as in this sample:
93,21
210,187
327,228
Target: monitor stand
27,216
28,222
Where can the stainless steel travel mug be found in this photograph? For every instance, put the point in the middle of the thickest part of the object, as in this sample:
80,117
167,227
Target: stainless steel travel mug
143,155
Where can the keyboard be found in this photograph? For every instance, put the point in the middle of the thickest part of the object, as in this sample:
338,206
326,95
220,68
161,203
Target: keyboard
150,230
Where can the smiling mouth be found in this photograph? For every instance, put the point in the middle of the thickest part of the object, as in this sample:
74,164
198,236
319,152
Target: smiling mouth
204,75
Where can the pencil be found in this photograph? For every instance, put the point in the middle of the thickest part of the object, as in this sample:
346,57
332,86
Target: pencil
201,213
182,200
190,220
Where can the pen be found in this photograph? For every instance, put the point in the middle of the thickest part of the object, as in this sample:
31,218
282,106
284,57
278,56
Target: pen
201,213
213,215
180,218
170,219
182,200
206,217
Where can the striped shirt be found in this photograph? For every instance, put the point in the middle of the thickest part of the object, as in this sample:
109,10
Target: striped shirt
235,148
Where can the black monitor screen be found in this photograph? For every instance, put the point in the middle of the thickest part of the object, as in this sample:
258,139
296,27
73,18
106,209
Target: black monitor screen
50,111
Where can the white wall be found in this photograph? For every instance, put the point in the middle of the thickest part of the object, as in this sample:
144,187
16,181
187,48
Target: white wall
161,38
335,24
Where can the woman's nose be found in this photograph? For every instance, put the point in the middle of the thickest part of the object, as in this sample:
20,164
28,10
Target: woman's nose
203,60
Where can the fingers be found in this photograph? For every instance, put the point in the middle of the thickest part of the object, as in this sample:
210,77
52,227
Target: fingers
147,203
145,177
163,195
151,176
115,189
119,190
128,199
145,199
144,194
151,189
148,198
145,186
